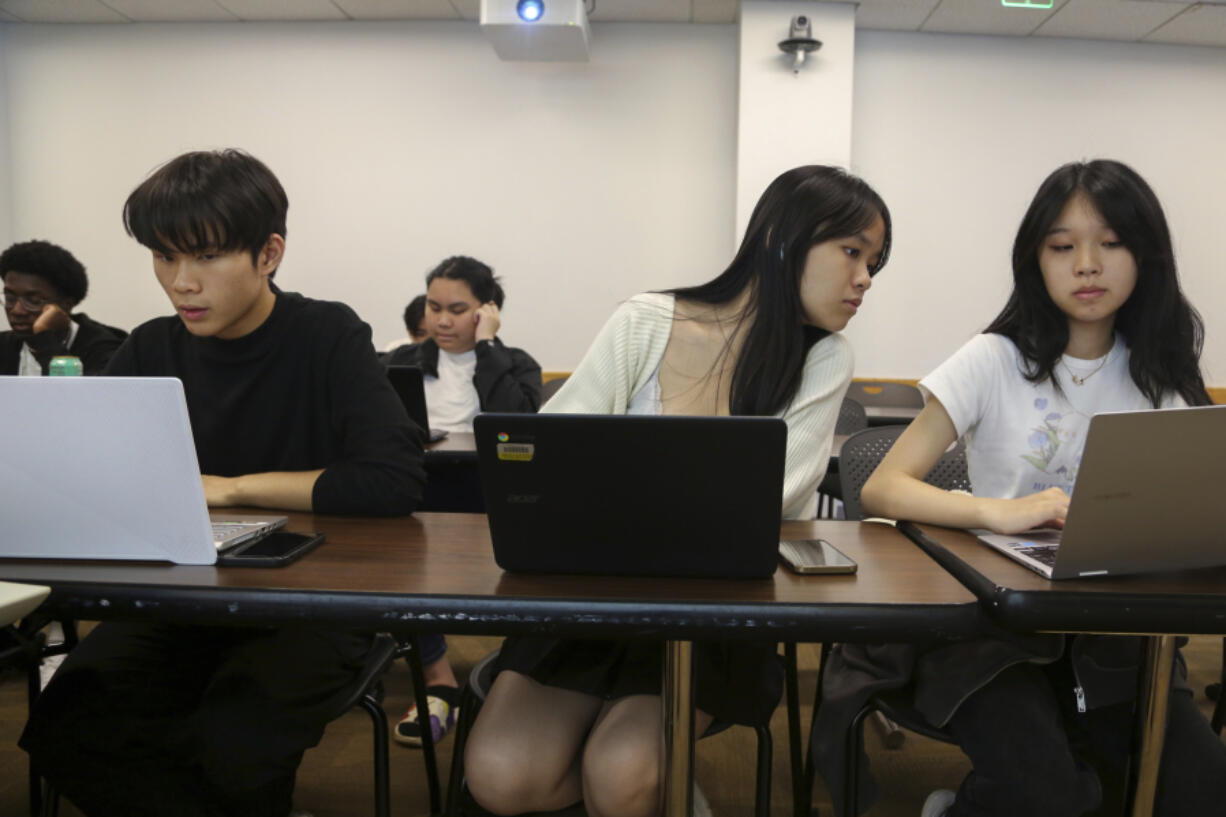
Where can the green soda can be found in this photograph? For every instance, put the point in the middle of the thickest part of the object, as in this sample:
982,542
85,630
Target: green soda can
65,366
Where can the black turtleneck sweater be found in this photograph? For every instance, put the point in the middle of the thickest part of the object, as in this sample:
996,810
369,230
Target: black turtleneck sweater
303,391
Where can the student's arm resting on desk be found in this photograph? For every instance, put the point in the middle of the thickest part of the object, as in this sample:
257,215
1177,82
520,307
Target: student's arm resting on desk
897,489
506,379
287,490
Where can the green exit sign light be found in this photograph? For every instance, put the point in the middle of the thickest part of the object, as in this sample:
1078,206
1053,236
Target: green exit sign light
1028,4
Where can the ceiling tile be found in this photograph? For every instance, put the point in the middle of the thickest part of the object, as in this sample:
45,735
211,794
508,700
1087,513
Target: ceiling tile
896,15
715,11
1199,25
62,11
986,17
5,17
165,11
283,9
398,9
1109,19
641,11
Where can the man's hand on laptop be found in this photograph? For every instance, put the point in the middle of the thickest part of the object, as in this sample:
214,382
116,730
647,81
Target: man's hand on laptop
1046,509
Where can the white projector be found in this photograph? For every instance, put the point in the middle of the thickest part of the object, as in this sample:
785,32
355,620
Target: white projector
560,32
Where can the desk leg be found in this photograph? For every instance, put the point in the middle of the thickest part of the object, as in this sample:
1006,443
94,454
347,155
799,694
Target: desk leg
1151,721
678,728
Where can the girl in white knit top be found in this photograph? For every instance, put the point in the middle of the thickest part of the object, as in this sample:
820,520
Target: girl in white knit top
571,720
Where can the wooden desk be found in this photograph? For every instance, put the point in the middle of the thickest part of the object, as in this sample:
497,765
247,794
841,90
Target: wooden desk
435,572
457,446
1155,605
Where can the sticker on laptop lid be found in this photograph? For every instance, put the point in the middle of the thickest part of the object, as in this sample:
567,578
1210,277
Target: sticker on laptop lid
515,452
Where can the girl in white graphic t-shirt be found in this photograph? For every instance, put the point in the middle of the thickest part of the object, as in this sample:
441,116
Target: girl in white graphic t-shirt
1096,322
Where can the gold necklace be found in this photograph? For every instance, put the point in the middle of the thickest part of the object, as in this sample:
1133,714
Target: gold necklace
1081,381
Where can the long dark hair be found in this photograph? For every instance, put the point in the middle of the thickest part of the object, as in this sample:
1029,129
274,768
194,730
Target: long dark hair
802,207
1163,331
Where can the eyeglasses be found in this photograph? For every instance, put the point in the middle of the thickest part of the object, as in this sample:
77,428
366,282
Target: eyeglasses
33,303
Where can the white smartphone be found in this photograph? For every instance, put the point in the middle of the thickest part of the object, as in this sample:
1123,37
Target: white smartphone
814,556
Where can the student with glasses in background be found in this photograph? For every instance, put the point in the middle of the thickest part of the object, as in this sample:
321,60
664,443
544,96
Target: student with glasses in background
43,283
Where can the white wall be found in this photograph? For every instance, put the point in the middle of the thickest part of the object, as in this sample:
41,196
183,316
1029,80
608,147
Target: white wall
958,132
785,118
399,144
6,163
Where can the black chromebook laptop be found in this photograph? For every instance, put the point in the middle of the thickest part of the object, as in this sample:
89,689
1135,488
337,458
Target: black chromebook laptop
633,495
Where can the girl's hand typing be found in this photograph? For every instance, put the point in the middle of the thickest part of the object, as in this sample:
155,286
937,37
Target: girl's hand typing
1046,509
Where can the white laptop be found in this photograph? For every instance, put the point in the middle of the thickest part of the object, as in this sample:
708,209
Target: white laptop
105,468
1150,496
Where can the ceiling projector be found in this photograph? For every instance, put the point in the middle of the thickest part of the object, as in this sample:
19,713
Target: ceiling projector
544,30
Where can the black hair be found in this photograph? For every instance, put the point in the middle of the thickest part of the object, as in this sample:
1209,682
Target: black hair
414,314
803,207
479,277
1163,331
208,201
51,262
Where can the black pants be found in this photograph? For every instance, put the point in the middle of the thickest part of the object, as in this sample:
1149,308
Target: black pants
1033,754
153,719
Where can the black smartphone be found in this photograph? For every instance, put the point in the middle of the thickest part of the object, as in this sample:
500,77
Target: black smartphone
815,556
274,550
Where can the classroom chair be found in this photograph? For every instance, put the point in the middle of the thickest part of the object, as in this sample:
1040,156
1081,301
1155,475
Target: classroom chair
851,419
478,686
366,692
865,450
861,455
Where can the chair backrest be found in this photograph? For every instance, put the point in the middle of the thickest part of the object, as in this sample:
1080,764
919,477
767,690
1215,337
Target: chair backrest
865,450
880,393
550,387
851,417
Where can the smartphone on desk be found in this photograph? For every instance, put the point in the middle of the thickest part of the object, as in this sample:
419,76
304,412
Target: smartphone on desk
814,556
274,550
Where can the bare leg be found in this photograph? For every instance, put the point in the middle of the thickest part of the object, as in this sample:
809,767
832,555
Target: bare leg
622,761
523,751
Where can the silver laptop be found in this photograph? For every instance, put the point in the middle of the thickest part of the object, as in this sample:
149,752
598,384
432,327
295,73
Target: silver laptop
1150,496
105,468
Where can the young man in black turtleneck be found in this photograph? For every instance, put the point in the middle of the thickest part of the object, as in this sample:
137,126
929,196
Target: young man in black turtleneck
289,409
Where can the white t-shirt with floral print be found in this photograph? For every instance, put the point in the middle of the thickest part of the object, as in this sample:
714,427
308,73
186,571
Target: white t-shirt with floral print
1024,437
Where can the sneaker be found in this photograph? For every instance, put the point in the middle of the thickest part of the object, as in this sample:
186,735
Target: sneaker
938,803
444,707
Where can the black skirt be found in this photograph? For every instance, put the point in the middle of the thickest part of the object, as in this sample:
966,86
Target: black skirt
735,682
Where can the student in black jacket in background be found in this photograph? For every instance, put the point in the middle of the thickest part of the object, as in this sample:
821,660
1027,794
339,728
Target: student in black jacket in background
43,283
290,409
467,370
